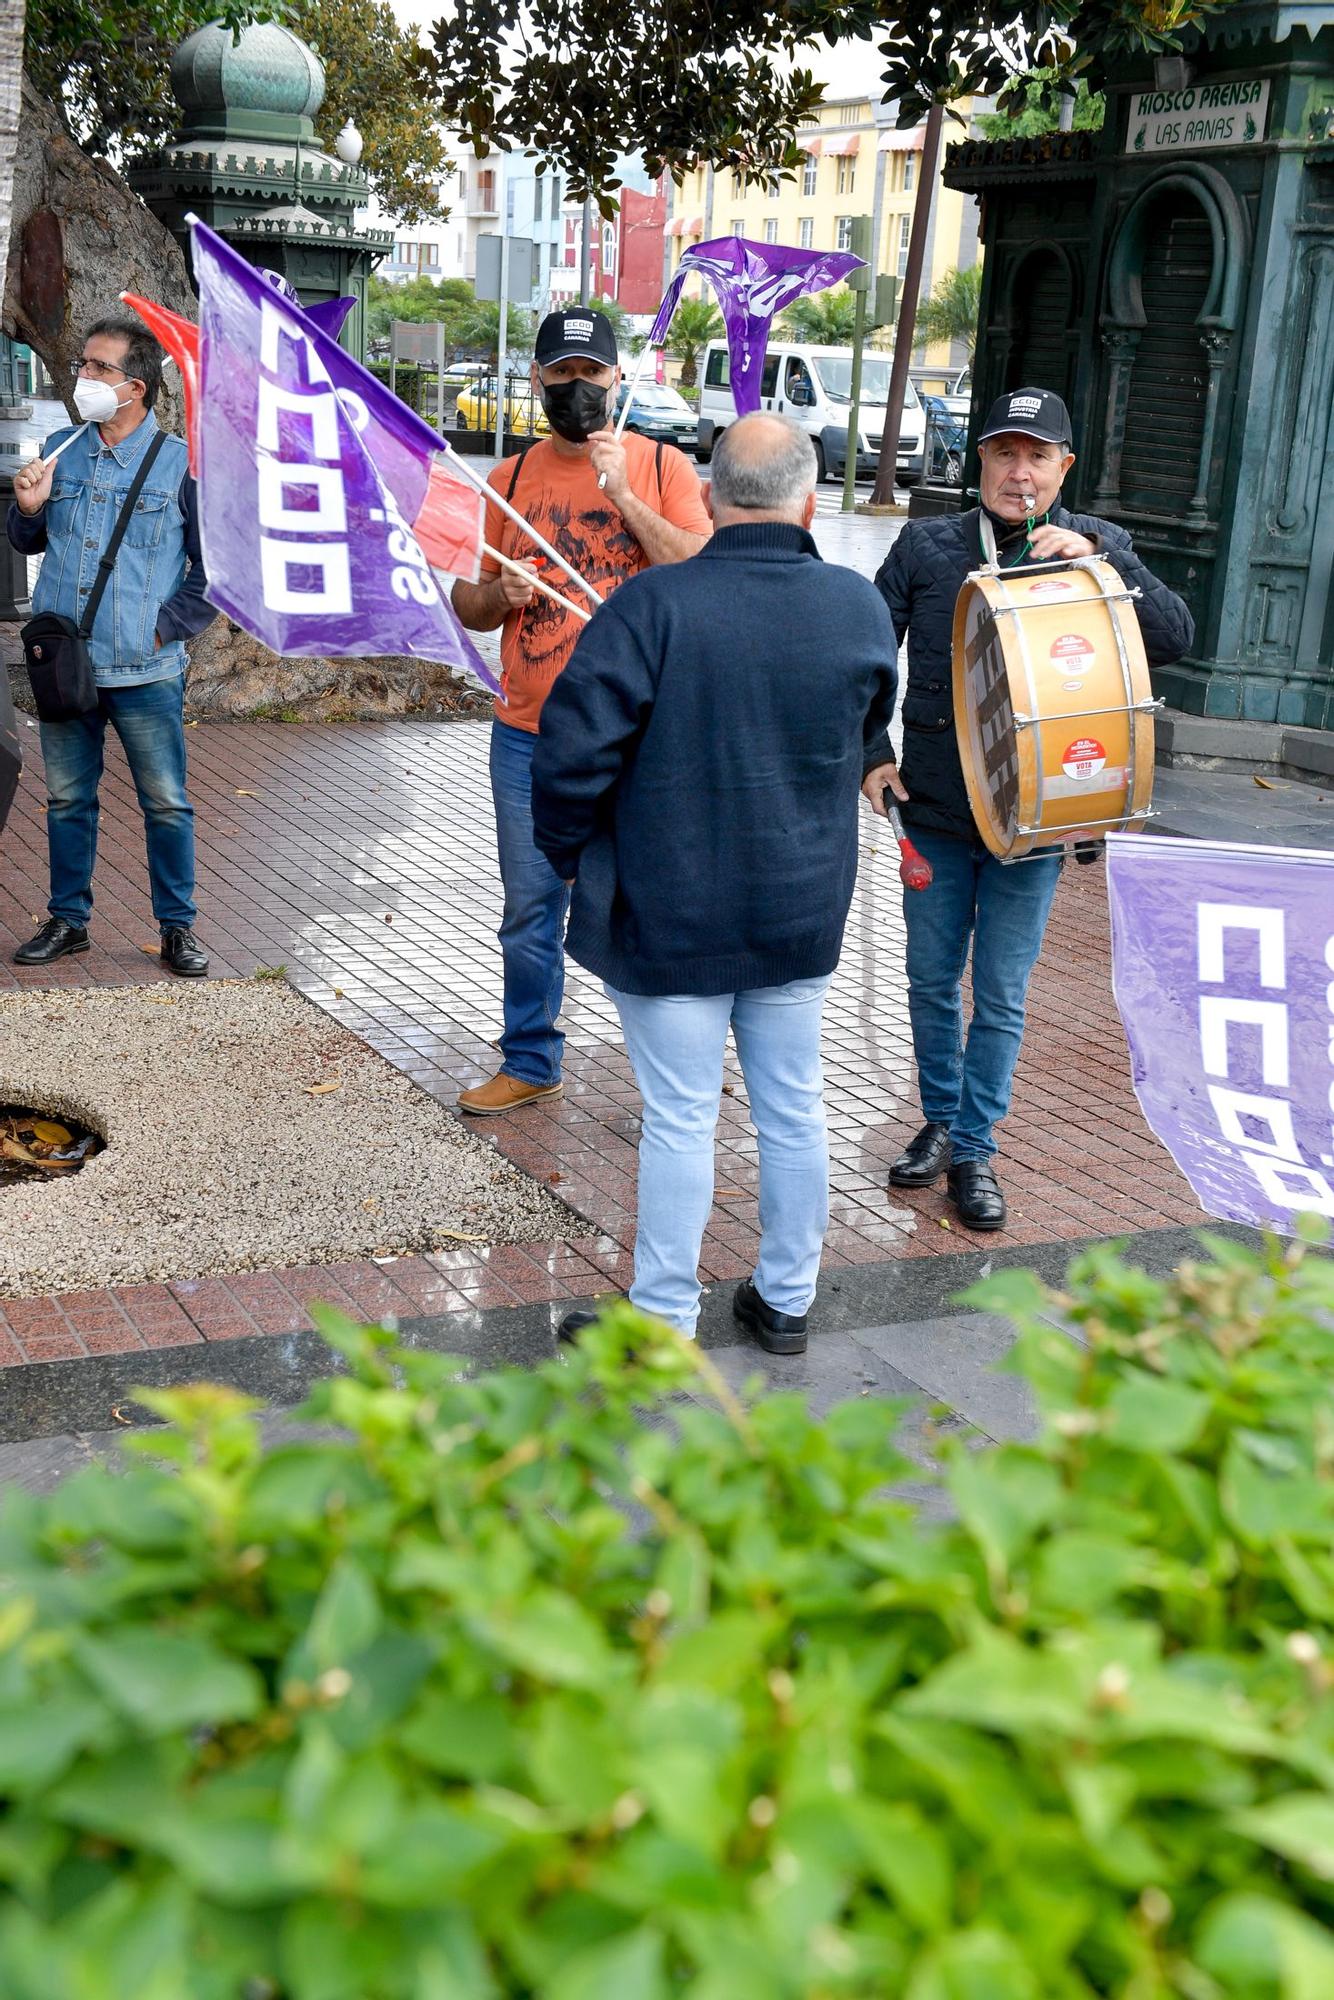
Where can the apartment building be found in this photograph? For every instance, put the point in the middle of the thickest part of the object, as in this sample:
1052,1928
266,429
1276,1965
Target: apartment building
845,153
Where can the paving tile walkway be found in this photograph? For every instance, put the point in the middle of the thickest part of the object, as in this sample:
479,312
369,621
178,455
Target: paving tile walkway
361,858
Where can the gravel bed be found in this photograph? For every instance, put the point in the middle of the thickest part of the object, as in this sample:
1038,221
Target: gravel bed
219,1159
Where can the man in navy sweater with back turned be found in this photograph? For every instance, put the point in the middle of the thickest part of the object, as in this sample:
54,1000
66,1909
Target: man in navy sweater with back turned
696,777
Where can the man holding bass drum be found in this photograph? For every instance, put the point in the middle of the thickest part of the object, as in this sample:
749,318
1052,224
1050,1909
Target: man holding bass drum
1002,908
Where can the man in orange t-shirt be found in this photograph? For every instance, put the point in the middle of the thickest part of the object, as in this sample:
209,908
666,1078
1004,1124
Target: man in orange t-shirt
649,510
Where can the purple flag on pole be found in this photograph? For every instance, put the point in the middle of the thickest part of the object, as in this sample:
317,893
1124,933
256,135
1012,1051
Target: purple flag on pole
1222,961
753,282
328,315
311,478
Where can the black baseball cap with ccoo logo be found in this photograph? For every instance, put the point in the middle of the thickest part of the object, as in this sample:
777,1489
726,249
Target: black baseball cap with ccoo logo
1035,413
563,336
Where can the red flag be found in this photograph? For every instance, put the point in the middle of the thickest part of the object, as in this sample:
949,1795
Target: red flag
180,337
449,525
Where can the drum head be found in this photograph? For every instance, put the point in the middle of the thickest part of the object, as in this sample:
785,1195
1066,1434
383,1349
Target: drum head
1050,703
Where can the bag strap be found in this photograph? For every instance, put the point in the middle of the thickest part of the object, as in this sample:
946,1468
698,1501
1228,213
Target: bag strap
108,562
518,466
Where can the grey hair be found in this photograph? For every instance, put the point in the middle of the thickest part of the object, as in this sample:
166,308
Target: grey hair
144,356
780,476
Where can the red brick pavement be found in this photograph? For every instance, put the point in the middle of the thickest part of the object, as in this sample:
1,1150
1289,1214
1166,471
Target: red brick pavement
360,856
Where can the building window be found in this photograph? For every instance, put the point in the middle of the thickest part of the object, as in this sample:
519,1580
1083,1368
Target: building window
843,238
806,231
405,253
905,231
773,186
738,184
738,225
847,174
909,172
486,191
430,256
539,195
771,229
808,174
555,196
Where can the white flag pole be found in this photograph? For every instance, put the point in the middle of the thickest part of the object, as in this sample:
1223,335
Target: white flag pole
506,562
488,492
66,445
635,381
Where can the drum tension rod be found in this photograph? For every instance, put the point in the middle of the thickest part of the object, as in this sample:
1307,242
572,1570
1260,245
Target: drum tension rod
1148,706
1116,819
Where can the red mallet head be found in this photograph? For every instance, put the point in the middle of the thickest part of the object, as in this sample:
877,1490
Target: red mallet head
914,868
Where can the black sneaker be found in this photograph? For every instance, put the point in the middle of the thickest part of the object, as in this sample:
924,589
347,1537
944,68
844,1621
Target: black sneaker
777,1333
182,951
53,940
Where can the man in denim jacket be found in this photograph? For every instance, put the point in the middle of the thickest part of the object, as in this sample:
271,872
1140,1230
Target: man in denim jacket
153,603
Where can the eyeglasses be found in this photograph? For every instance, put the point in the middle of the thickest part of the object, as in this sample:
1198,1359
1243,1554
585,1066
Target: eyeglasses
102,369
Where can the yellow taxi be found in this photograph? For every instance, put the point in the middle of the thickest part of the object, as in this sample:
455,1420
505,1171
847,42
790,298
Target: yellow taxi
524,415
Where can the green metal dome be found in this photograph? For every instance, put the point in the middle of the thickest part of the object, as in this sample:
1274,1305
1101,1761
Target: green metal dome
268,72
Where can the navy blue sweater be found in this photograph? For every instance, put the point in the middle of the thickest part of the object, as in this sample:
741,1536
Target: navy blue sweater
699,762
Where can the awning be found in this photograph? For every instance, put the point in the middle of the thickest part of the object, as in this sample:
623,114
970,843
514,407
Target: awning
902,139
812,145
842,142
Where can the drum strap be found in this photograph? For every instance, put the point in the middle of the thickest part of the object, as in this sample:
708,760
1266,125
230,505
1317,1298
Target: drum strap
987,536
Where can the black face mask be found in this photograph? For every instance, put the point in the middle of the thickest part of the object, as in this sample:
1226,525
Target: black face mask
575,409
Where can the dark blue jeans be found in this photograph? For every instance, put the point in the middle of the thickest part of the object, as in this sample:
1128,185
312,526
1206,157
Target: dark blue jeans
149,722
532,929
1002,908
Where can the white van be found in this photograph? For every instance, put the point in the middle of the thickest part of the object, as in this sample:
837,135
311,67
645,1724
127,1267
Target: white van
812,385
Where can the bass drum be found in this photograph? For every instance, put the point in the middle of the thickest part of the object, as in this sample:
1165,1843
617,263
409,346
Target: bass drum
1052,706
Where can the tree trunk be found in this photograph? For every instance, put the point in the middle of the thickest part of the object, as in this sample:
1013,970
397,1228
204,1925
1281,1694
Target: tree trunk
79,237
11,62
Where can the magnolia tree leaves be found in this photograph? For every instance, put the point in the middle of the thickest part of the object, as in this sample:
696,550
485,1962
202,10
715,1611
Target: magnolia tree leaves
584,81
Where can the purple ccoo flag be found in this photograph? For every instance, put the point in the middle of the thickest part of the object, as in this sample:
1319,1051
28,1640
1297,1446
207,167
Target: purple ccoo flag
311,479
328,315
1223,969
753,282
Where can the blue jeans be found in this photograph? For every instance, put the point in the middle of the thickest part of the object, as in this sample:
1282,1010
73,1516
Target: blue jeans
676,1048
148,718
532,929
1003,909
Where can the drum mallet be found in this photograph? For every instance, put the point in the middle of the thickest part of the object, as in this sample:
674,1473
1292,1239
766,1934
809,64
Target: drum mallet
914,868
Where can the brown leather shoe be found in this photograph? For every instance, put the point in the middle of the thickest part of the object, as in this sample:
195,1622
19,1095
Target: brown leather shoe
504,1093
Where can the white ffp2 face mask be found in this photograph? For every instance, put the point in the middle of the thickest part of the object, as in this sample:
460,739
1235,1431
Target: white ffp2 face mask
96,402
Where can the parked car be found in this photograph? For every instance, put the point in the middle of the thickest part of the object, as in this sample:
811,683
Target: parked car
524,415
660,413
946,438
813,385
958,398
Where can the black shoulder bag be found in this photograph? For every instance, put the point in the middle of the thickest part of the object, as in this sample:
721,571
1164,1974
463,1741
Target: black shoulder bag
55,648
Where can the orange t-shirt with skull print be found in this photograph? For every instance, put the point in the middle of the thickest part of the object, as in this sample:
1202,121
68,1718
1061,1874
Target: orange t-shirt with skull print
560,496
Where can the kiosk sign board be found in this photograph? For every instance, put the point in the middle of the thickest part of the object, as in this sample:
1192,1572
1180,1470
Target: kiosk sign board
1201,116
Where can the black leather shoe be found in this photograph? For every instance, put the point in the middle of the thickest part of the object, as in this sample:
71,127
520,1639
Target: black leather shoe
777,1333
975,1192
53,940
924,1160
183,952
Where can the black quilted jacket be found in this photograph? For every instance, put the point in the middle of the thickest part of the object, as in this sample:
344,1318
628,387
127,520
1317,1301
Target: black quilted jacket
919,581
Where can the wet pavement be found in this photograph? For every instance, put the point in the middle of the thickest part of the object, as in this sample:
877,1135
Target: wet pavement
360,857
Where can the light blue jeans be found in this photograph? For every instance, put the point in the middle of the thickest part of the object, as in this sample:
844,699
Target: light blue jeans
676,1049
1001,909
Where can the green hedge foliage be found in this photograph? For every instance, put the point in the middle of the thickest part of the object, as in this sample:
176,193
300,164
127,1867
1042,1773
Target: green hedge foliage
598,1682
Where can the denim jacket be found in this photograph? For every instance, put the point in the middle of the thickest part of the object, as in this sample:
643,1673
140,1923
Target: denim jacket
157,585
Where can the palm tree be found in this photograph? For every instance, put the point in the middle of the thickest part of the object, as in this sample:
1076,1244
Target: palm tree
951,311
476,324
825,319
694,324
